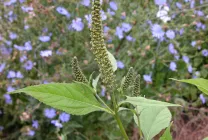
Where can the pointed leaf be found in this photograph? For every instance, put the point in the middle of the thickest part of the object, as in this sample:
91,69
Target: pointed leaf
74,98
153,120
167,135
202,84
143,102
113,61
95,81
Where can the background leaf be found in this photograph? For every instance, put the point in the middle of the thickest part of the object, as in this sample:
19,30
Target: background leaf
143,102
153,120
167,135
113,61
202,84
74,98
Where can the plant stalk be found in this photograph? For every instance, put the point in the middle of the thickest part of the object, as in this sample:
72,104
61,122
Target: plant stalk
121,126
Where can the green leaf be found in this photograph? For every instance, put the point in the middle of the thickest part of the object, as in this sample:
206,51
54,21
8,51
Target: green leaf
75,98
153,120
205,138
95,81
202,84
167,135
143,102
113,61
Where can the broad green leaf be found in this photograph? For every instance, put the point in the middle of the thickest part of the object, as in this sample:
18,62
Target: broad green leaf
153,120
205,138
75,98
202,84
167,135
143,102
113,61
95,81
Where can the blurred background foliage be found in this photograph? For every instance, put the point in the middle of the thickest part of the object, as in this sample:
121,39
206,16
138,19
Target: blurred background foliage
161,39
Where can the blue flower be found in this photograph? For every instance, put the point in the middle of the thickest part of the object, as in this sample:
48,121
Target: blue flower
173,66
126,27
50,113
193,43
57,123
77,24
28,46
170,34
46,53
190,69
11,74
205,52
147,78
19,75
103,15
12,35
113,5
129,38
198,24
185,59
26,9
171,49
157,31
2,66
8,99
31,133
64,117
160,2
200,13
202,98
63,11
10,2
1,128
179,5
28,65
120,65
103,90
119,32
192,4
10,89
35,124
44,38
85,3
23,58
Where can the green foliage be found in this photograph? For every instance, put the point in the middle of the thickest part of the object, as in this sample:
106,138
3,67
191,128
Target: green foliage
153,120
143,102
202,84
167,135
75,98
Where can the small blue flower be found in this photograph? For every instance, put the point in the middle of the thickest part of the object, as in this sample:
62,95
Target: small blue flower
192,4
173,66
85,3
2,66
170,34
202,98
8,99
147,78
120,64
1,128
64,117
50,113
63,11
28,46
113,5
190,69
23,58
103,90
19,75
77,24
26,9
205,52
157,31
35,124
126,27
185,59
129,38
179,5
171,49
31,133
119,32
11,74
57,123
12,35
10,2
28,65
10,89
44,38
193,43
46,53
160,2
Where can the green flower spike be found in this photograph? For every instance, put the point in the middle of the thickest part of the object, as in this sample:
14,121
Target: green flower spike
128,79
99,48
79,76
137,85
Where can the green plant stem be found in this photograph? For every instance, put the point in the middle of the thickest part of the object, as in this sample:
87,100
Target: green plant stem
121,126
109,109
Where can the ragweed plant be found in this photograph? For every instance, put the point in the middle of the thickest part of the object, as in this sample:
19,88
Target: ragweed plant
80,97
